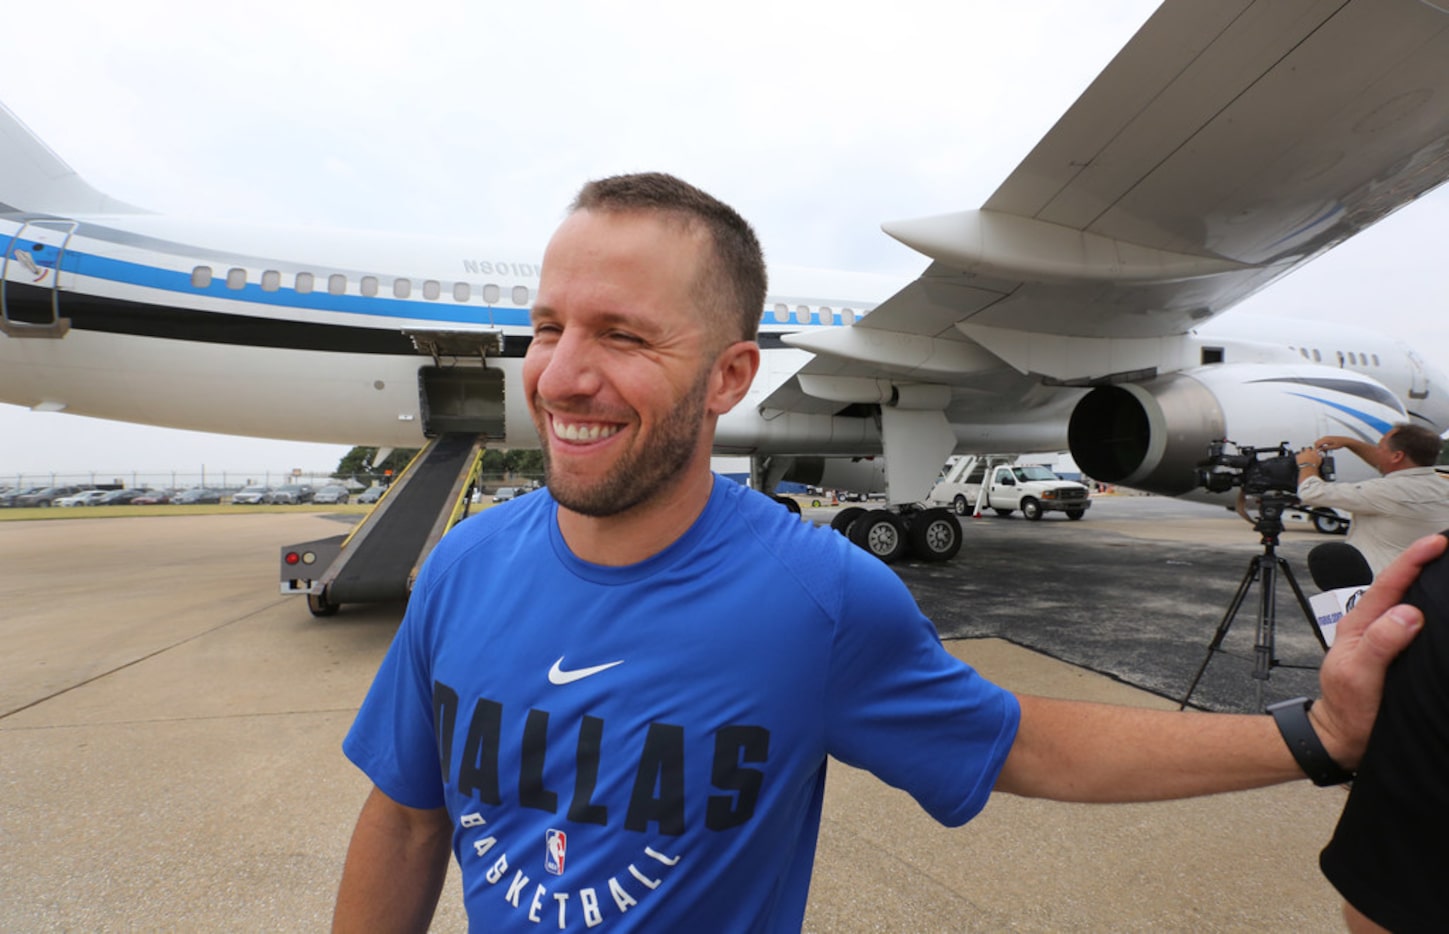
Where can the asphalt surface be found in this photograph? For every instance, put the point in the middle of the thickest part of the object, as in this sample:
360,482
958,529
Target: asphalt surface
1136,591
170,724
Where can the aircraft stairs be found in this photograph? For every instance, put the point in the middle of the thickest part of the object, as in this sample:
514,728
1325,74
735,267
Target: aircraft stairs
379,559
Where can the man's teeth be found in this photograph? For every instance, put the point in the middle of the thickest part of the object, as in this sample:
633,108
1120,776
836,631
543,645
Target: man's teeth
576,432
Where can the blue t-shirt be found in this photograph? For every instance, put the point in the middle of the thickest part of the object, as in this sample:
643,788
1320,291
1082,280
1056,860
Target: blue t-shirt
644,747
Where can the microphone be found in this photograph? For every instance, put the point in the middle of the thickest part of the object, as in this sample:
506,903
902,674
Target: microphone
1335,565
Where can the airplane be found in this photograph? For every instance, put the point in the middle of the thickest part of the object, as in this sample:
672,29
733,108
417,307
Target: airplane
1078,309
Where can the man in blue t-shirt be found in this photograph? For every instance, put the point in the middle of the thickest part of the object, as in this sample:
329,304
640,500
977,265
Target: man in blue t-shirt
614,701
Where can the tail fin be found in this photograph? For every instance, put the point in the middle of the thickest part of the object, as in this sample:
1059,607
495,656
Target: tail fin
34,179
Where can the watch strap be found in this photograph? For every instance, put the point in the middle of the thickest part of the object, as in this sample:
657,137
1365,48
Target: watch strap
1291,717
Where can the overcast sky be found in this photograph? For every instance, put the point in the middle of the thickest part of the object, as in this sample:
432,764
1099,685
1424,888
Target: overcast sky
818,120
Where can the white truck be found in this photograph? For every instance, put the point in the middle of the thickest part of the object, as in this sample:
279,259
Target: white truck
993,481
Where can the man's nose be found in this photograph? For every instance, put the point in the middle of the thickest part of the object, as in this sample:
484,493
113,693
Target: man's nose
570,368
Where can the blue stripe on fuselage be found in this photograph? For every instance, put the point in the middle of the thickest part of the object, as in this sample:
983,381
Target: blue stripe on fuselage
1377,424
97,266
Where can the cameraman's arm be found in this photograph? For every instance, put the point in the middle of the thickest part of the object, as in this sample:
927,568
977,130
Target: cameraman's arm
1309,461
1361,449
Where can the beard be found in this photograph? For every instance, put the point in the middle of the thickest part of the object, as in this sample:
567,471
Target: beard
642,472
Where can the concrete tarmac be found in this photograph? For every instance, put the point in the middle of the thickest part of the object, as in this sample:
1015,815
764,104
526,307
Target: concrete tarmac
170,730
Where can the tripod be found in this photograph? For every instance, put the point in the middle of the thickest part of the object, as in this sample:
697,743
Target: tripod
1262,568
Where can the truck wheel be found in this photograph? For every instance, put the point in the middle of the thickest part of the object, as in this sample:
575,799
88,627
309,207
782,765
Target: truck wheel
1076,513
845,519
1031,508
320,606
1003,513
1329,525
935,535
881,533
962,507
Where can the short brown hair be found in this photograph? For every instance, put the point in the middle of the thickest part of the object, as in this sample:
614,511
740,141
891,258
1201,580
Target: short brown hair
733,286
1420,445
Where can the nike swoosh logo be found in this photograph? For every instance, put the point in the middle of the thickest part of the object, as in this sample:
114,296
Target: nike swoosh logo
557,675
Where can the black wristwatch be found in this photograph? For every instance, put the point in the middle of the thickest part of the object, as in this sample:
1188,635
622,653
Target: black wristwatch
1291,716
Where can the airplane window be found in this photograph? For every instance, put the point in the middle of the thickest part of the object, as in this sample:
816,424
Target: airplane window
520,295
1353,358
826,315
337,284
431,290
782,313
461,291
402,288
802,314
304,283
848,314
236,278
1317,357
201,277
271,280
491,294
368,286
1304,352
1376,359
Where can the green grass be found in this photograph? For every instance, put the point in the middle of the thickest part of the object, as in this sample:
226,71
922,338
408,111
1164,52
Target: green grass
117,512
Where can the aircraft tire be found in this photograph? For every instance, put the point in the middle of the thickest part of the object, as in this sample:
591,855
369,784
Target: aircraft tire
845,519
935,535
787,502
881,533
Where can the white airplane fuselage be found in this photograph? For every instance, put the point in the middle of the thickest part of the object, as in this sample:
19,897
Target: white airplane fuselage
201,325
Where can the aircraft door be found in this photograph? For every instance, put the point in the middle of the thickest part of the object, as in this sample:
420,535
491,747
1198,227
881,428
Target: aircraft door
1418,379
30,283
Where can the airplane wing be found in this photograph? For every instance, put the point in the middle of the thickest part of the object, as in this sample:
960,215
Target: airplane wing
1228,143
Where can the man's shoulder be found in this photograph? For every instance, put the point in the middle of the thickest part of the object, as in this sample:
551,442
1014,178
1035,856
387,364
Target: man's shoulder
517,521
792,547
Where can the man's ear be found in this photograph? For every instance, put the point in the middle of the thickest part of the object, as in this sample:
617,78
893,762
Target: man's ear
734,371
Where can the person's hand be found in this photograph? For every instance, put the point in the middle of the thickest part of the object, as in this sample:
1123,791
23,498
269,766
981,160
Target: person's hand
1369,637
1308,457
1331,442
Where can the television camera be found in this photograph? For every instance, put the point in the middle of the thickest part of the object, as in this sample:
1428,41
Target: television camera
1257,470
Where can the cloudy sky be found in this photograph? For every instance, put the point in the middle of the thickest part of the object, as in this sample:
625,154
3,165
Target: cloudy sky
818,120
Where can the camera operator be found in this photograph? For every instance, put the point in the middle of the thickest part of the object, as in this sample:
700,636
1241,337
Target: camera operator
1408,502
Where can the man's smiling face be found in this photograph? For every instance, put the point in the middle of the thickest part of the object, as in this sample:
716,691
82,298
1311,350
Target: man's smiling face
618,372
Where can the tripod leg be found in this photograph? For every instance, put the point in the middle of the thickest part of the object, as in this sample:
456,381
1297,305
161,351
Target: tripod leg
1223,627
1304,604
1264,650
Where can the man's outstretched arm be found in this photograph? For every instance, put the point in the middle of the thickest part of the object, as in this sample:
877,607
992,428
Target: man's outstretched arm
1075,751
395,868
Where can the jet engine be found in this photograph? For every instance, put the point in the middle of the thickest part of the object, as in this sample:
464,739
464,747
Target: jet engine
1151,435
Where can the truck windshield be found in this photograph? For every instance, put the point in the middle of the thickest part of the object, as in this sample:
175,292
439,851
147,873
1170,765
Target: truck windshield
1033,472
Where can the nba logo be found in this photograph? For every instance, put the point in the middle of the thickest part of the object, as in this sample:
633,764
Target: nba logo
555,844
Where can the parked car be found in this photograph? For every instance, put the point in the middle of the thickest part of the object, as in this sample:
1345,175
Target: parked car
120,497
9,497
83,498
504,493
252,496
46,496
372,494
293,493
151,498
196,496
331,493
